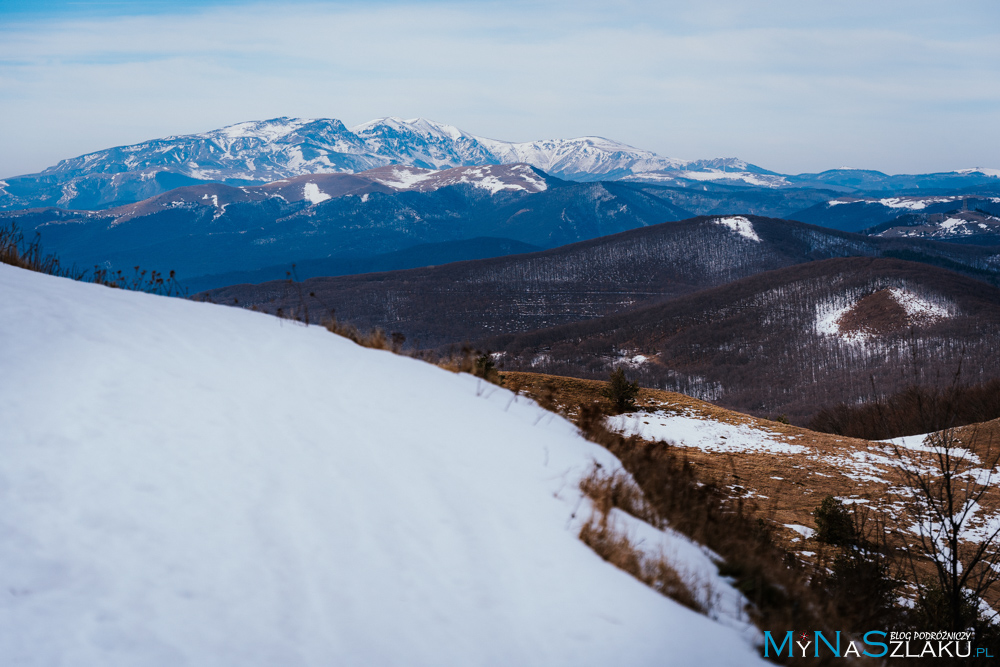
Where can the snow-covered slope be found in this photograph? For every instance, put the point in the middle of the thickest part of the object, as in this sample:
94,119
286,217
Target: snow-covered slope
593,157
187,484
280,148
423,143
253,151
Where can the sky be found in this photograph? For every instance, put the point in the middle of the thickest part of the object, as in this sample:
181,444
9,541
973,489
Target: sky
899,86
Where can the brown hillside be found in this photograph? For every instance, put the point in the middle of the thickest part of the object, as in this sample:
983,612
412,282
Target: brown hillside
785,488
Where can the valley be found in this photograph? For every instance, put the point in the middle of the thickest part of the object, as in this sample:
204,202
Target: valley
487,298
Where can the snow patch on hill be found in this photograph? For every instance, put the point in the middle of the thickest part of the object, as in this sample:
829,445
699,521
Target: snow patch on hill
688,430
403,178
266,130
979,170
312,193
913,203
919,309
828,316
740,225
762,180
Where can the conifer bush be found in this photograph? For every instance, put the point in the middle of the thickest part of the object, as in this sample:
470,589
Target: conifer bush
833,523
620,391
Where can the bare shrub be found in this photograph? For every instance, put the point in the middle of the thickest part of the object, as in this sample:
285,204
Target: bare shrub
16,251
948,493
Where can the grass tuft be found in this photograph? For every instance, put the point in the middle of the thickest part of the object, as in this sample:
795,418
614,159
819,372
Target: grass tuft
15,250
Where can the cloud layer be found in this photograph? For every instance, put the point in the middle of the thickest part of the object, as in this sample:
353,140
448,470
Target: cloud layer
900,87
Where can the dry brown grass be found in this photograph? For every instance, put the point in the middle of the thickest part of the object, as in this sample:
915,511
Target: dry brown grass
805,479
375,339
768,490
613,545
616,489
15,250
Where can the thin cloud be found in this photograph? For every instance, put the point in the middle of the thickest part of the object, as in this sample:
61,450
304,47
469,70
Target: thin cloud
791,94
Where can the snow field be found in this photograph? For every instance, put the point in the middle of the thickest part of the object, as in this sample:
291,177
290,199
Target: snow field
312,193
740,225
919,310
704,434
188,484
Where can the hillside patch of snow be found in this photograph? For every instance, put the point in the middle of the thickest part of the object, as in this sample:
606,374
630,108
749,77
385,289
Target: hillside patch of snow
949,224
804,531
268,131
706,434
740,225
979,170
912,203
184,483
750,178
919,308
485,178
313,194
405,178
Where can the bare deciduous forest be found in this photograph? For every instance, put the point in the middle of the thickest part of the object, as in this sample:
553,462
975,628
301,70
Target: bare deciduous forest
759,345
471,301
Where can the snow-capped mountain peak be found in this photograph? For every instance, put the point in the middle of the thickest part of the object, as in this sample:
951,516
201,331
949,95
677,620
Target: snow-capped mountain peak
418,126
422,143
266,130
262,151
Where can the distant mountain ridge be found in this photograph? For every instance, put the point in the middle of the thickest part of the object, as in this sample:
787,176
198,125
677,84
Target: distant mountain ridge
353,220
957,218
257,152
263,151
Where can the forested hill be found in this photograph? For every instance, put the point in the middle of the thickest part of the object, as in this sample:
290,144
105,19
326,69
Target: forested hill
788,341
477,299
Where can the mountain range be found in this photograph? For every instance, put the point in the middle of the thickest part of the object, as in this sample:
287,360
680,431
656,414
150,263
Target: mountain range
320,221
264,151
400,217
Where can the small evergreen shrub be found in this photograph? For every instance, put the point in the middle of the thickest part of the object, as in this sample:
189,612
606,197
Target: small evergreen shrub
834,524
486,368
621,392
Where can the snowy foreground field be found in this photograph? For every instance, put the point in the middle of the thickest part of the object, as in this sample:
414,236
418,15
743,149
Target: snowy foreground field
189,484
